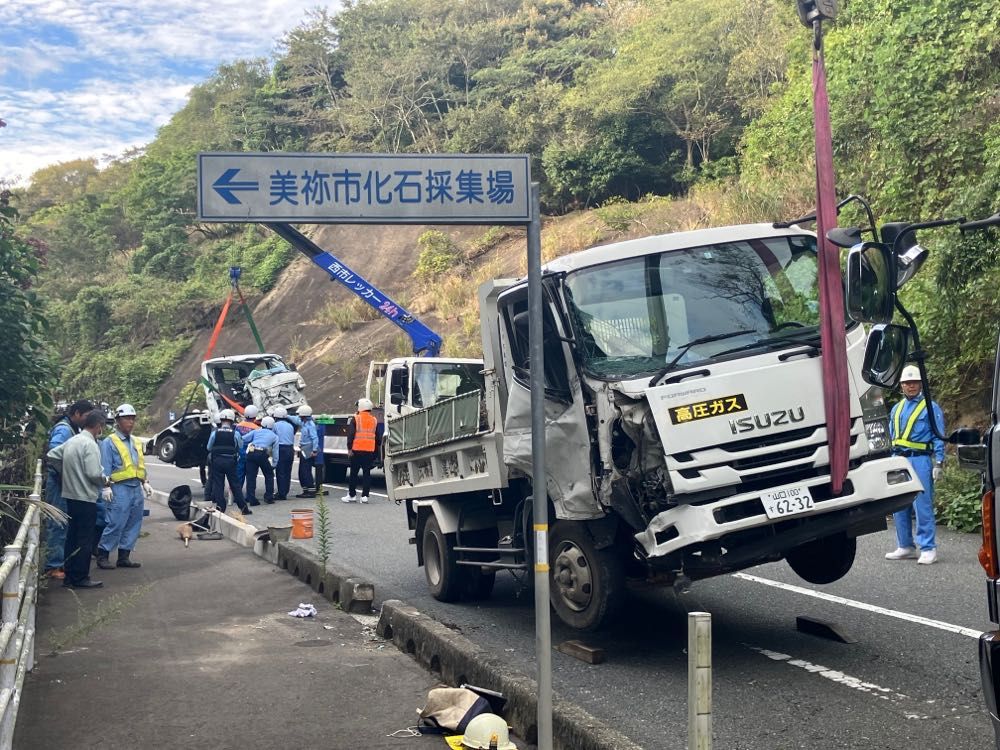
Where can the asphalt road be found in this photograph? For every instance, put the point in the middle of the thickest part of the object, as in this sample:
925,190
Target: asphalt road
910,679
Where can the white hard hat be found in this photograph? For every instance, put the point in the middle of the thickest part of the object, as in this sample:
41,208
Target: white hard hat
910,373
270,411
364,404
125,410
267,422
305,411
280,412
482,729
227,414
250,412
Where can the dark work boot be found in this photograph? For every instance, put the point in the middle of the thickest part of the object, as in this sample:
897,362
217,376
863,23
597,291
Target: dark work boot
124,562
102,560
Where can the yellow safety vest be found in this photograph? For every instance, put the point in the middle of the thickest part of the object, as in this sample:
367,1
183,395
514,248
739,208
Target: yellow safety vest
902,439
128,469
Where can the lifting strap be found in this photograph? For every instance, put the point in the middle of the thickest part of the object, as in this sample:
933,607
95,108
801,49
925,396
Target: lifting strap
833,342
234,278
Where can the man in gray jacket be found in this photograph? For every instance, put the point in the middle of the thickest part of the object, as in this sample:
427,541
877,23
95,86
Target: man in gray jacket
78,460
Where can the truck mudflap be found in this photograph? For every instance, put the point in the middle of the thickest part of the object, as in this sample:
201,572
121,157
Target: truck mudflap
687,525
989,668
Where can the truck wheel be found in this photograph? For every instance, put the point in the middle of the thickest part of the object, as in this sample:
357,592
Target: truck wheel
335,473
166,449
587,584
824,560
443,574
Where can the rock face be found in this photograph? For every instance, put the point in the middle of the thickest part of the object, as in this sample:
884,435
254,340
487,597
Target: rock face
291,317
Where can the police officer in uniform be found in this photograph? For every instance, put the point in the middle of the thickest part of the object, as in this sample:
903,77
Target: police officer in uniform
224,446
262,455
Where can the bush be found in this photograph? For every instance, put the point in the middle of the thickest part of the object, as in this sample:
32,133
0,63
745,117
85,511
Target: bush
438,254
618,213
958,499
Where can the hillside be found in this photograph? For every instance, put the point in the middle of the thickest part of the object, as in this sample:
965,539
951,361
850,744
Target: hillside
295,318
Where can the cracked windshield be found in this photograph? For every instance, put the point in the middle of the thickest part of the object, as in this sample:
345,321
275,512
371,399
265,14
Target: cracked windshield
637,316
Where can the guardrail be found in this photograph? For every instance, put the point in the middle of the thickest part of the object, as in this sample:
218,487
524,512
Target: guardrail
19,579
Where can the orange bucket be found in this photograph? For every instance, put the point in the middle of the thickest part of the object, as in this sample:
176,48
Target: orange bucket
302,523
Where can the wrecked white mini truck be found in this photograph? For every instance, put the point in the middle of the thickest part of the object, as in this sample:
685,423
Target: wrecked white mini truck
685,427
263,380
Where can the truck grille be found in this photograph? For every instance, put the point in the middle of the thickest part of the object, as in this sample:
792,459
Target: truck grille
756,459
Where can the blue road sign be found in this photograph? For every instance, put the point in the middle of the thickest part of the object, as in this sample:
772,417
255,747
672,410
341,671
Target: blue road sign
364,188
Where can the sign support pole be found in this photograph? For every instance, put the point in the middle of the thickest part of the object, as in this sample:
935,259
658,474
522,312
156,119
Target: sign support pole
540,504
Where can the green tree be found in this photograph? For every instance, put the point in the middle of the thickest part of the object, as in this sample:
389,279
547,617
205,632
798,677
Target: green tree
25,369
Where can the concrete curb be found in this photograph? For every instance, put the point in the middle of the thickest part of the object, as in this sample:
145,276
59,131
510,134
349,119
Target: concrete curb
441,650
458,660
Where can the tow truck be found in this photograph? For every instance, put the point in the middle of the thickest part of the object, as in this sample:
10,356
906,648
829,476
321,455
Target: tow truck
232,382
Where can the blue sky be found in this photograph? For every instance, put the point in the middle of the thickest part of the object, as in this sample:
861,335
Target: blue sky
82,78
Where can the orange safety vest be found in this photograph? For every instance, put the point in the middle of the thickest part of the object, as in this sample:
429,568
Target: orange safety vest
364,432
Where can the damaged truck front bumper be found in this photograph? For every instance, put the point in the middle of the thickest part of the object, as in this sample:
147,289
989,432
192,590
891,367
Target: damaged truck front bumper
878,486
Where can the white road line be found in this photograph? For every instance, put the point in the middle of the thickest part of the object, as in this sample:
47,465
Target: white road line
831,674
916,619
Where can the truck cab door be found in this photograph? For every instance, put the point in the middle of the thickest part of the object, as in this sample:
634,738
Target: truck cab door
375,386
398,390
567,435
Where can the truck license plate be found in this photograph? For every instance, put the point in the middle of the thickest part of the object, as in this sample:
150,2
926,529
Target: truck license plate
787,501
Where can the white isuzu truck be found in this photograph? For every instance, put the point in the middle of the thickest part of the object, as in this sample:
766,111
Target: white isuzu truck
684,427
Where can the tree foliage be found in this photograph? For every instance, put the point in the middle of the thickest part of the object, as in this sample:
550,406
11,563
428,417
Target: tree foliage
25,369
615,99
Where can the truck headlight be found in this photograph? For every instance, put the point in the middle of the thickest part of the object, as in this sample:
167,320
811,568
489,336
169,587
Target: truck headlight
876,420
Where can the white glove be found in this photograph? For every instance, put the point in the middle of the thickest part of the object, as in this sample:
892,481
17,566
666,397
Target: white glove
148,489
106,494
938,472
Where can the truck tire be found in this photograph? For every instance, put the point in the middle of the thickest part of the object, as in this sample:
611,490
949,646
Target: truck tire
824,560
587,584
335,473
444,576
166,449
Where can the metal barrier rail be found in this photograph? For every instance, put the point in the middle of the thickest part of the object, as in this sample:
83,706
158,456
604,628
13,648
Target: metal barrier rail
19,580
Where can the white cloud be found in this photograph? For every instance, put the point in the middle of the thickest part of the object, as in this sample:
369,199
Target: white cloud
115,70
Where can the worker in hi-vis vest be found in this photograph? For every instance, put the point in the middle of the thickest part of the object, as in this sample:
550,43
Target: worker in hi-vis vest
912,436
364,433
121,457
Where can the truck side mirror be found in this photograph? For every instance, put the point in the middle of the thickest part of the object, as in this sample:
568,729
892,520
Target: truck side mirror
871,287
909,255
965,436
396,399
885,355
971,452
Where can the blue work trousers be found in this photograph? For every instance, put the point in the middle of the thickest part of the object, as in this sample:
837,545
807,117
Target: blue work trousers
124,517
223,470
922,507
241,468
306,473
283,472
55,531
259,461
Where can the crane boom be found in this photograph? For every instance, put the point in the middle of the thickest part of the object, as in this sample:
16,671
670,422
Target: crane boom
426,343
